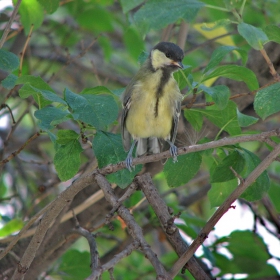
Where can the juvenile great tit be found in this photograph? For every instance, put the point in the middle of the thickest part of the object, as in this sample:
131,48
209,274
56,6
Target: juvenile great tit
152,103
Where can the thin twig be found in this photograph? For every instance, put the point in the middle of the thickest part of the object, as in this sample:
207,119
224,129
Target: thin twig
9,24
12,155
222,210
273,72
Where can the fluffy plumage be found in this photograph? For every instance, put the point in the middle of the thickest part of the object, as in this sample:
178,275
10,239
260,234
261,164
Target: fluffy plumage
151,103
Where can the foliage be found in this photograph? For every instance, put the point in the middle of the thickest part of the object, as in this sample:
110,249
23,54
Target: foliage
66,84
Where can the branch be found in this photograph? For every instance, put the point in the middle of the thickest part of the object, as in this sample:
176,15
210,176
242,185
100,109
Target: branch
111,168
223,209
133,228
171,230
92,244
9,24
116,259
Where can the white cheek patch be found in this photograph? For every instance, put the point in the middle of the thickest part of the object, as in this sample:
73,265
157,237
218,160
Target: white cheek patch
159,59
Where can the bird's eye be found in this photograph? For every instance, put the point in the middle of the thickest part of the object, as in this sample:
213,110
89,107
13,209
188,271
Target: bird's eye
168,55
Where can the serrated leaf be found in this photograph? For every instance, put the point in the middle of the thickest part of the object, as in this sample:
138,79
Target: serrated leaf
235,72
223,173
254,36
108,149
220,94
11,227
273,33
67,160
8,61
51,116
225,119
146,18
9,82
262,183
267,101
50,5
245,120
32,86
220,53
31,13
181,172
219,192
94,109
194,118
66,135
128,5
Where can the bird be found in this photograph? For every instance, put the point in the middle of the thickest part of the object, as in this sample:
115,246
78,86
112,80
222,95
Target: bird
152,104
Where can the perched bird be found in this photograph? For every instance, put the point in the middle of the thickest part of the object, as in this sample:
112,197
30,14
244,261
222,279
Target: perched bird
152,103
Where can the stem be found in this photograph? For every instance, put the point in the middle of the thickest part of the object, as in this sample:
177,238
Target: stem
217,8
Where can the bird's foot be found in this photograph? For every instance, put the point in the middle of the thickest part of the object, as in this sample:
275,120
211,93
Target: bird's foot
174,152
128,163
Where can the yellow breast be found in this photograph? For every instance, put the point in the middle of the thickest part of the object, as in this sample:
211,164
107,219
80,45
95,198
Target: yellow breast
142,120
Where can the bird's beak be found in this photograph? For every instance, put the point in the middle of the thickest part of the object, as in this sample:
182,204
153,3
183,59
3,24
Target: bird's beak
177,63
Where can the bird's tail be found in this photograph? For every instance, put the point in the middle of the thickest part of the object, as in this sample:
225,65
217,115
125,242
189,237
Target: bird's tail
147,146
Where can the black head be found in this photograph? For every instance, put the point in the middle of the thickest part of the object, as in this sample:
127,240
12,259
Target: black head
166,55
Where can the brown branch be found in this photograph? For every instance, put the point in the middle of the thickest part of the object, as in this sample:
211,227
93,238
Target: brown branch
116,259
273,72
9,24
223,209
171,230
182,35
191,105
12,155
133,228
24,49
111,168
91,241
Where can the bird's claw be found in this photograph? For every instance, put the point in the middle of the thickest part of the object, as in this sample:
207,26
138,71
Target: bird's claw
128,163
174,152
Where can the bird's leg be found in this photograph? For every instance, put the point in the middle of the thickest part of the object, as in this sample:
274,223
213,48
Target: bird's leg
173,150
128,160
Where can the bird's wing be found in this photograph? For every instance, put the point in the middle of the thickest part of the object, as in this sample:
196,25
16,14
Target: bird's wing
175,122
126,136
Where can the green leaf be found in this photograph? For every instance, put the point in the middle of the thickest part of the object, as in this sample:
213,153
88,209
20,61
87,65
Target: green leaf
133,42
50,5
95,19
146,18
274,194
262,183
254,36
181,76
64,136
108,149
235,72
97,90
223,173
273,33
219,192
181,172
9,82
225,119
75,265
8,61
220,53
49,95
194,118
267,101
31,13
94,109
220,94
251,254
128,5
11,227
51,116
245,120
33,86
67,160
